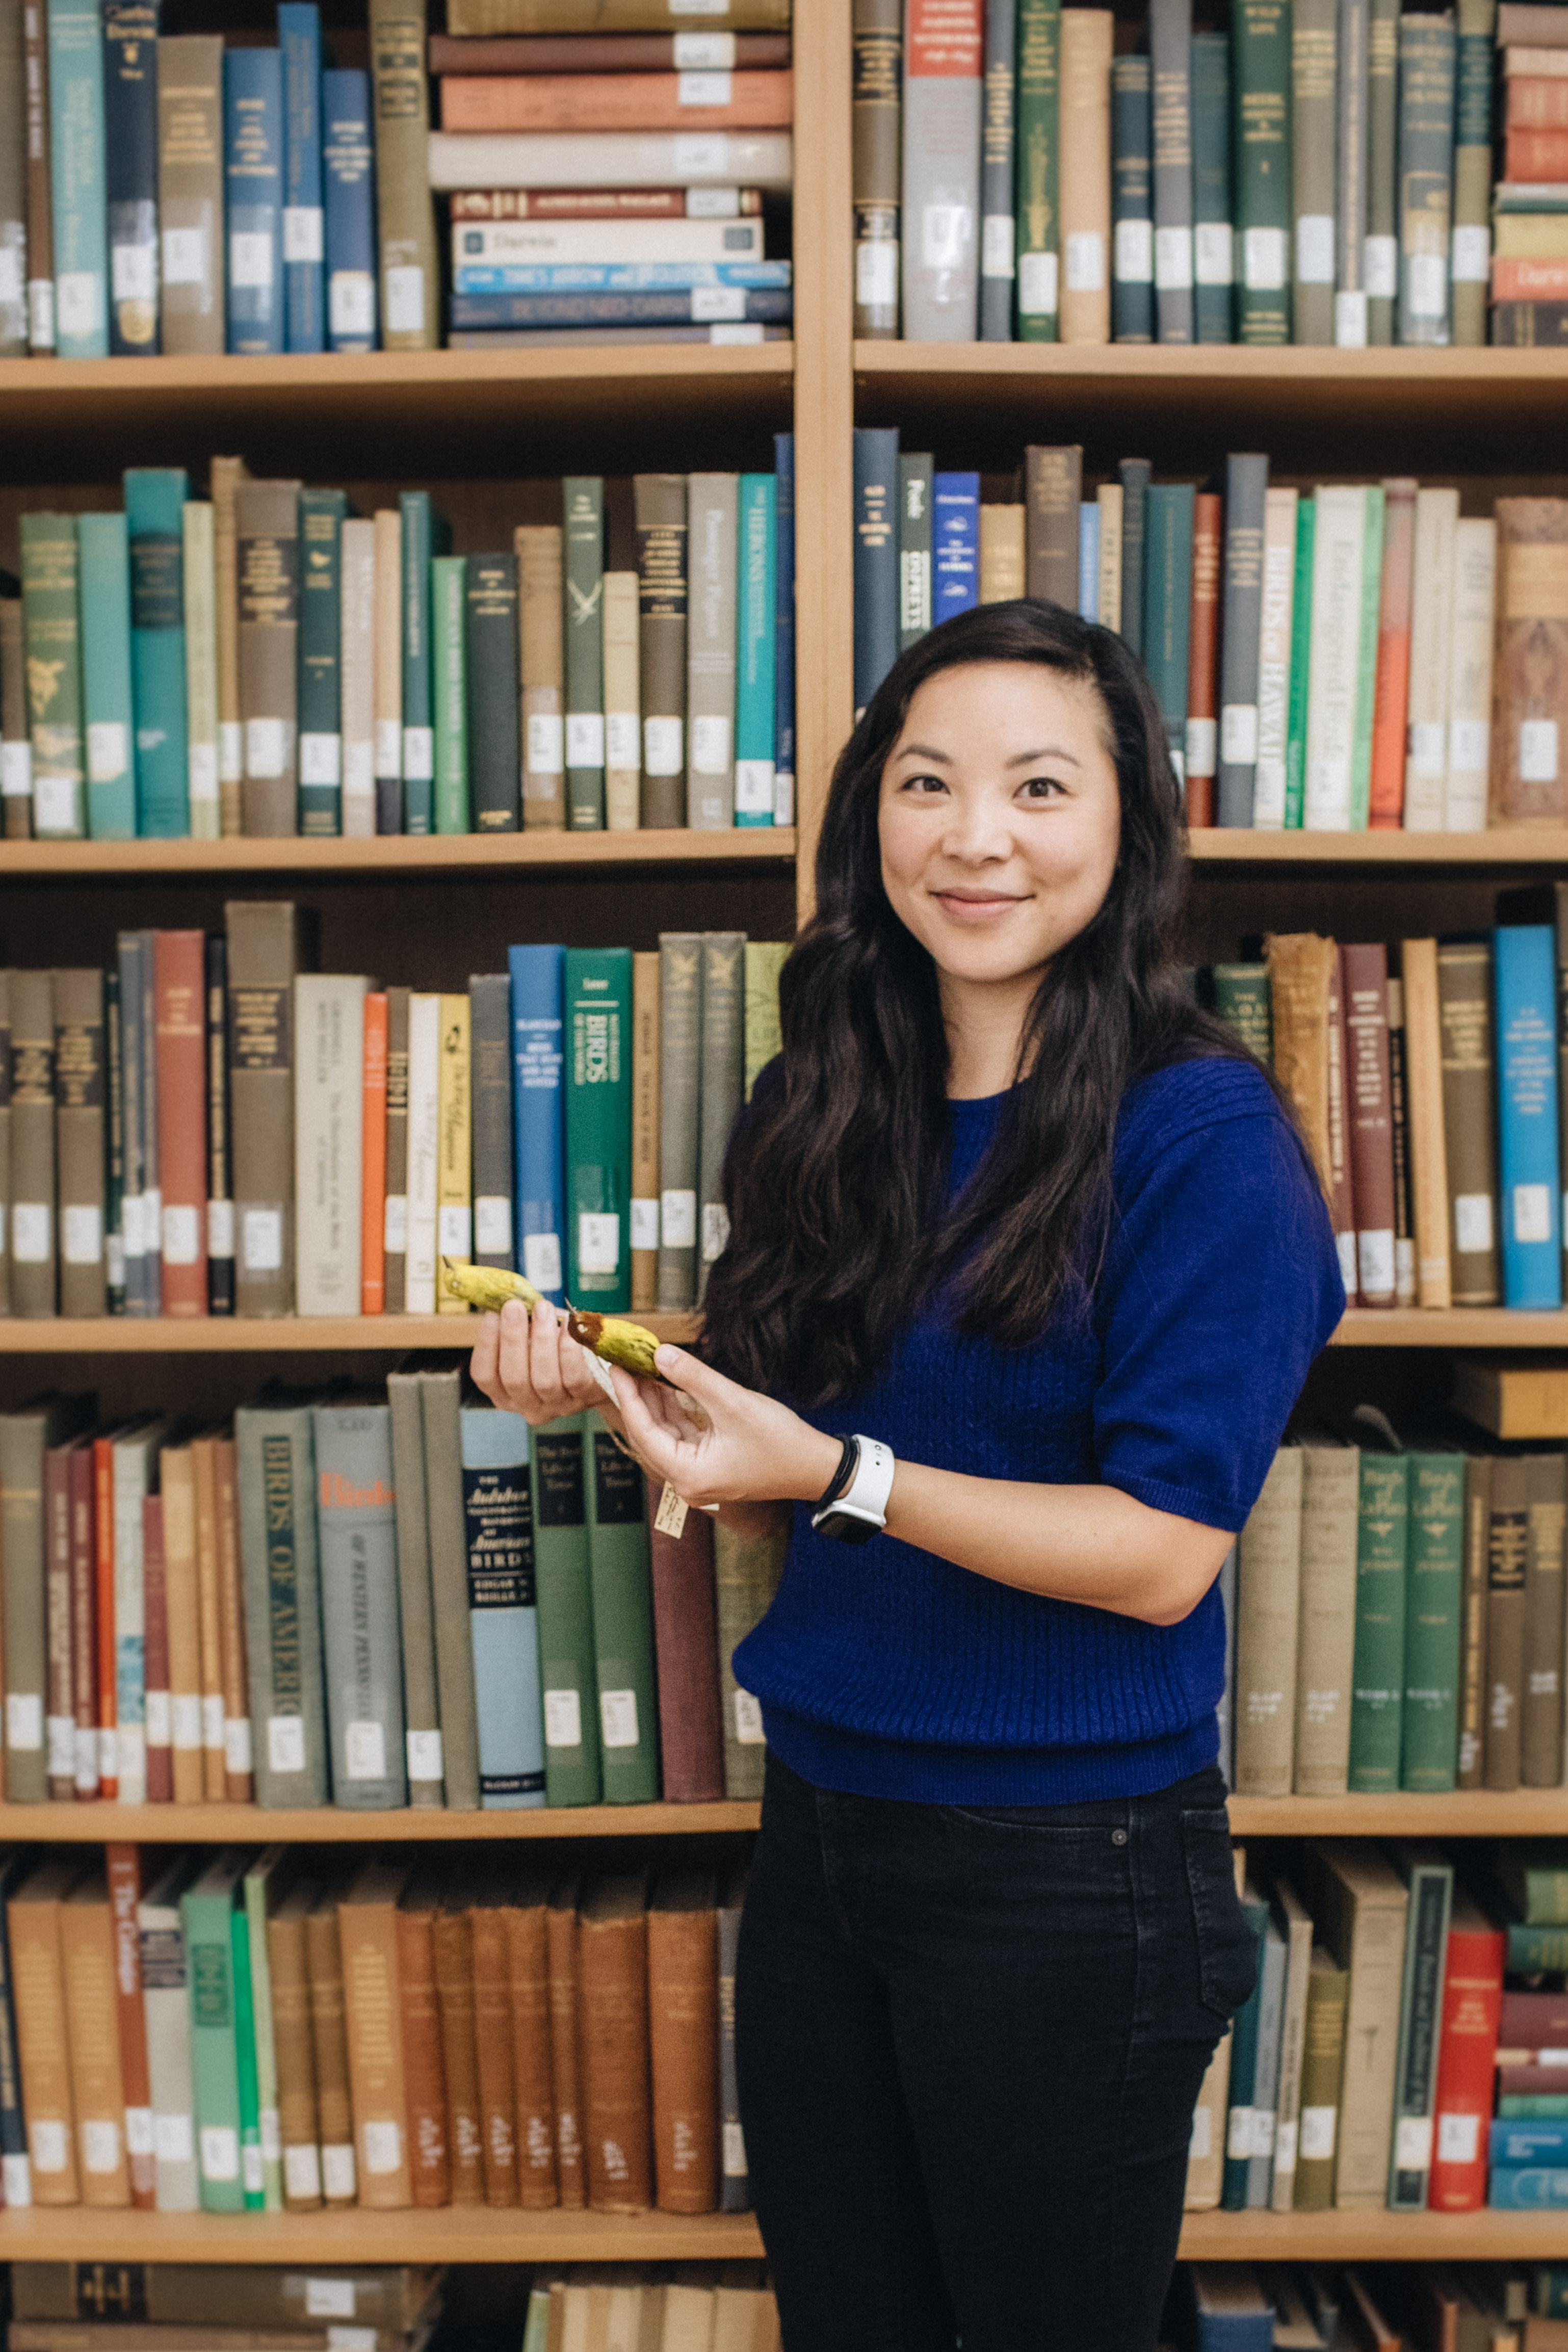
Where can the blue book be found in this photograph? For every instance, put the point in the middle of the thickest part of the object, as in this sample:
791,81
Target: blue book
614,277
77,187
154,497
348,184
956,545
253,185
539,1119
754,651
304,239
784,617
1088,560
1530,2143
1526,1002
876,558
503,1613
131,171
765,306
108,709
1528,2189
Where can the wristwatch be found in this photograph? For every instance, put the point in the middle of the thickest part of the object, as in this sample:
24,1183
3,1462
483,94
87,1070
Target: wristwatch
853,1505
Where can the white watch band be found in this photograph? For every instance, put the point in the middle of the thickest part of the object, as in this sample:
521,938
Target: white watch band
866,1497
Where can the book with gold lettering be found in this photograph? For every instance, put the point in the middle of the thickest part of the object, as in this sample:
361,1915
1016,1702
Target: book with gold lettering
282,1605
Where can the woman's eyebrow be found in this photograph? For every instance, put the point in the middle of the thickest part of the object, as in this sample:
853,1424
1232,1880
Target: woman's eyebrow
1046,752
924,752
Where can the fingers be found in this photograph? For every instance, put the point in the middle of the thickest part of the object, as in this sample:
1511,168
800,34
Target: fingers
654,1441
482,1363
694,1378
526,1368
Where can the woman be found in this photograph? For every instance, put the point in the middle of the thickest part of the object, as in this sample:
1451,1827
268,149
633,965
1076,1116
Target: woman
1013,1211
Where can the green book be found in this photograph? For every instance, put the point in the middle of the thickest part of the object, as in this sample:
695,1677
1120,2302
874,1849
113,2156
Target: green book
1300,668
1434,1576
1366,678
914,546
1533,2106
155,500
1377,1677
108,704
765,961
754,634
418,545
1213,243
266,1881
1167,603
1039,167
1535,1880
321,638
583,499
252,2178
1382,159
450,694
623,1618
536,2326
51,634
564,1596
1260,75
596,1001
1241,997
206,1909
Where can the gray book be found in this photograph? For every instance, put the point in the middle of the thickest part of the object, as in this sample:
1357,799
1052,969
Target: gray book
421,1708
13,183
914,547
1241,614
996,161
1136,474
160,1935
1349,177
1427,56
582,507
722,1086
746,1571
1381,270
448,1540
679,1068
734,2183
1170,51
711,524
940,215
1314,49
25,1437
279,1570
1266,2080
362,1648
489,1046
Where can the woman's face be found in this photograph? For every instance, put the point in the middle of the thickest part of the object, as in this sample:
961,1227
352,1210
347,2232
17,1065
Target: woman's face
1000,818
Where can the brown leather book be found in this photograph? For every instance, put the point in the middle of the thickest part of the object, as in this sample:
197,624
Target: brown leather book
1472,1755
288,1961
561,1941
4,1126
1370,1106
79,1094
542,637
610,102
180,1010
545,53
613,2041
367,1930
225,475
88,1666
1300,975
1085,177
1424,1107
156,1636
683,2038
204,1479
661,533
92,2023
1508,1552
1541,1698
40,195
1203,657
329,2044
397,1148
644,1129
746,1571
1053,487
1470,1119
190,192
1399,1119
239,1779
177,1483
405,216
453,1952
527,1977
424,2076
125,1866
1342,1191
63,1702
686,1640
263,958
266,539
43,2034
1530,691
33,1238
492,2044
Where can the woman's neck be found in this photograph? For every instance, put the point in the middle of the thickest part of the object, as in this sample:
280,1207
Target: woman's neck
984,1023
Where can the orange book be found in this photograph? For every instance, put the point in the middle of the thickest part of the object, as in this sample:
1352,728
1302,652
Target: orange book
183,1610
453,1950
43,2039
425,2077
105,1634
613,101
1517,279
565,2072
613,2042
155,1605
92,2025
683,2039
373,2015
1203,658
180,1000
372,1160
204,1482
492,2044
1389,708
124,1893
528,1964
239,1786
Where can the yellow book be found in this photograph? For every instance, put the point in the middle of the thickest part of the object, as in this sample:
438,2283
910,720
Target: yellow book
1530,237
765,961
454,1158
1001,554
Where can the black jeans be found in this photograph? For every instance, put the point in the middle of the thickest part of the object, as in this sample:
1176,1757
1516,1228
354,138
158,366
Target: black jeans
970,2043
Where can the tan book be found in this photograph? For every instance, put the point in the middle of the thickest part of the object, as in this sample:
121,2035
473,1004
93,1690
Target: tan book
1108,500
1469,1117
1322,2072
1297,1923
1325,1648
386,676
33,1240
528,1976
1358,1904
453,1950
1300,979
623,703
683,2039
225,475
1424,1112
644,1129
541,640
1268,1608
1001,554
562,1945
1541,1694
92,2022
328,1129
492,2043
203,1471
405,225
267,536
613,2042
190,193
263,957
43,2034
199,560
367,1929
454,1147
15,741
1085,174
1206,2148
357,658
299,2128
1470,674
1530,733
239,1779
176,1475
329,2044
79,1113
1431,650
424,2072
1513,1400
1473,1612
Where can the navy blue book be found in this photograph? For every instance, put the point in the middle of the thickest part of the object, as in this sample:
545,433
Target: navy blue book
253,185
304,241
954,544
876,558
784,628
1525,998
539,1127
348,181
131,171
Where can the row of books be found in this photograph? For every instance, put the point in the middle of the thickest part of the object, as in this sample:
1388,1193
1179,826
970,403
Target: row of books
1386,2307
287,2030
176,194
264,662
677,2307
1318,174
368,1598
207,1128
179,2306
1380,665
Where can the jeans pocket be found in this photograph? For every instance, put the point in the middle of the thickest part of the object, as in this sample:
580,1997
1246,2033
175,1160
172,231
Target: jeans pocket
1227,1953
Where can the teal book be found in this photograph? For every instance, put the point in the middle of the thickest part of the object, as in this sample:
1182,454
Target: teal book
154,502
565,1596
1167,605
1301,668
252,2178
1260,41
1366,676
1430,1737
206,1909
319,655
419,753
108,702
77,183
1377,1675
623,1618
503,1614
1244,2031
755,656
448,684
596,997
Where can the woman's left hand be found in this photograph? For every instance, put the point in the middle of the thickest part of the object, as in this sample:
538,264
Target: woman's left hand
745,1448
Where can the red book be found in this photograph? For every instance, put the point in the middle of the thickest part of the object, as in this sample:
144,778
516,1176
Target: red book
1517,281
124,1893
1536,102
1203,657
108,1629
1363,978
92,1633
60,1695
179,980
1466,2046
1391,705
156,1639
617,101
685,1646
372,1160
1534,2021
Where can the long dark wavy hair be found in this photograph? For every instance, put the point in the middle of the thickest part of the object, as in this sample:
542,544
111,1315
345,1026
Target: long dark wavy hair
837,1179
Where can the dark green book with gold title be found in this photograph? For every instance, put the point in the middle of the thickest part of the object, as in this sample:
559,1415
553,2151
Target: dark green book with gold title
492,675
1260,75
322,514
623,1618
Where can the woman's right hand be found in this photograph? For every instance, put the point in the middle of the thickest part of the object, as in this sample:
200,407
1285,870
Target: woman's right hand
531,1364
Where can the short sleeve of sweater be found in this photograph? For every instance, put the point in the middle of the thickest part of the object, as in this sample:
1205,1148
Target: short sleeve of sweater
1220,1284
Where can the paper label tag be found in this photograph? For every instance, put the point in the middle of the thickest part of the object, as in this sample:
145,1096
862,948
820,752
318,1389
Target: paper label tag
1459,2138
1533,1213
1471,264
220,1229
749,1729
493,1225
302,2171
1425,741
546,743
1428,285
321,759
1317,2130
382,2140
1538,750
1203,743
562,1718
262,1234
701,154
419,755
32,1226
542,1260
396,1225
265,748
220,2152
55,802
1469,745
424,1756
1413,2143
644,1224
996,248
454,1230
81,1234
302,232
108,751
664,747
620,738
1265,258
404,299
717,302
618,1717
678,1219
1315,248
50,2144
1213,254
201,773
212,1720
715,1231
160,1724
704,88
24,1721
877,272
16,2178
329,2298
389,747
185,256
1349,319
16,771
285,1743
185,1712
364,1750
1134,252
598,1242
1374,1261
230,750
584,738
1202,2137
669,1518
710,743
1086,262
1380,268
133,272
237,1743
1037,285
351,303
1238,733
181,1234
754,788
1173,259
79,302
252,2170
60,1732
734,2152
1238,2141
250,259
338,2171
704,52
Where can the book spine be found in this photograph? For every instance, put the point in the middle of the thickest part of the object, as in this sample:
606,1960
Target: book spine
1529,778
744,100
1314,52
253,117
155,503
368,1931
395,1229
1470,1772
493,2050
541,594
214,2070
452,1938
1527,1121
1430,1743
528,1984
597,1005
387,670
267,555
914,550
942,113
15,749
421,1282
130,173
720,1087
1038,202
1167,587
322,517
681,1046
158,1697
404,218
448,582
189,216
613,2018
98,2083
348,192
52,649
1202,746
1377,1705
1350,182
1086,45
199,570
283,1610
252,2173
299,2133
78,1140
566,1616
1301,666
1246,486
1214,269
227,474
1386,792
1053,487
502,1610
1241,2113
582,548
78,203
1131,201
161,1965
691,1731
956,545
1170,46
361,1648
539,1125
1466,2046
1369,1118
329,2045
1470,675
34,1237
1276,615
645,1235
683,2039
745,1576
494,688
329,1022
219,1168
13,185
179,980
1471,258
454,1096
1426,63
1541,1728
489,1021
622,1620
622,704
659,504
416,539
562,1948
40,260
755,632
1267,1588
713,539
1366,656
303,227
238,1775
119,1491
997,163
876,108
420,1704
1135,473
1338,556
431,2172
1330,1493
1381,268
1261,36
109,721
176,1476
70,1682
1508,1553
876,582
1426,1936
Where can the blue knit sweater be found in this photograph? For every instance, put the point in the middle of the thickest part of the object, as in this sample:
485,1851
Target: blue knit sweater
887,1672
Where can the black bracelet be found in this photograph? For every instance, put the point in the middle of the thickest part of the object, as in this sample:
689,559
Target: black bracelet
843,1477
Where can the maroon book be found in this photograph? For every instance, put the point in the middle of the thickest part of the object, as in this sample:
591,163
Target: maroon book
87,1663
155,1636
686,1640
60,1695
1534,2021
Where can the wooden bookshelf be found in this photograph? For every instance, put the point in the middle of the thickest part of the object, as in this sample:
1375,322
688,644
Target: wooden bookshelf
1453,1327
243,1334
1217,846
87,1824
386,855
1374,2235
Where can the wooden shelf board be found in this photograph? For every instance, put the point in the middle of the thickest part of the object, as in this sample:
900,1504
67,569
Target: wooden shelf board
1153,365
403,854
119,1335
1216,846
448,2233
1482,1813
1457,1327
87,1824
1375,2236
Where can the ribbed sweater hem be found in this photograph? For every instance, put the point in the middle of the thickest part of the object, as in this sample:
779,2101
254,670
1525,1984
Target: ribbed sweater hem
859,1766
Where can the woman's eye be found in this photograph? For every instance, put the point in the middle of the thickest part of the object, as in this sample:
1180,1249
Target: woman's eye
1041,788
926,785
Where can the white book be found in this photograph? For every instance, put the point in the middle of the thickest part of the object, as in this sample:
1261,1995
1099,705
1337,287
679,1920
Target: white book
199,560
1431,645
711,543
1334,676
328,1131
1470,676
166,2009
424,1151
610,159
357,659
1297,1924
134,1457
623,703
1274,659
492,245
388,642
